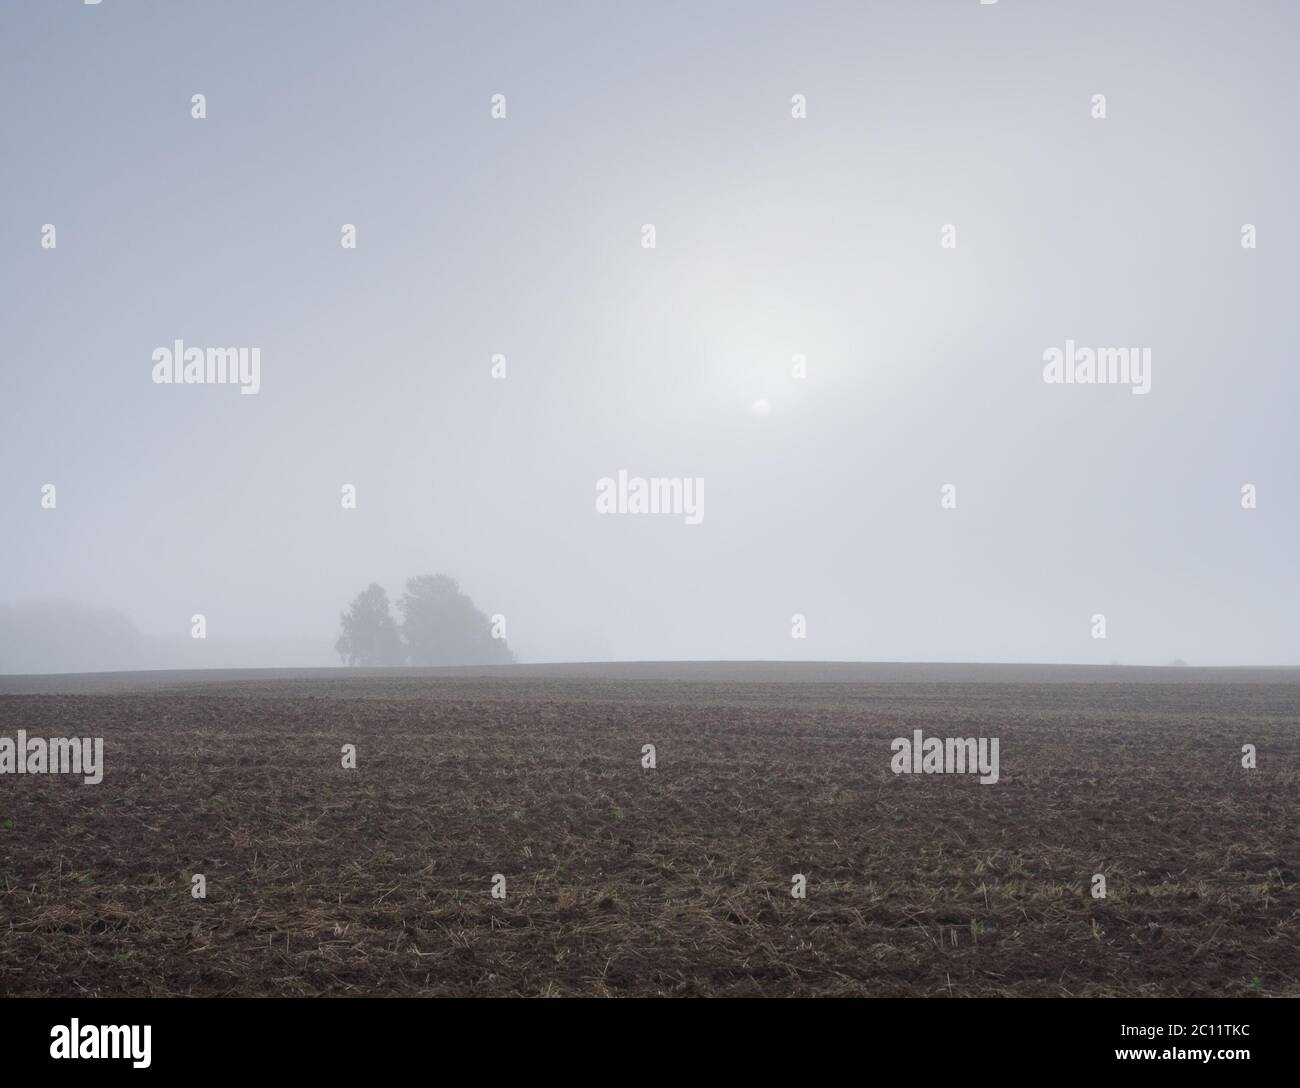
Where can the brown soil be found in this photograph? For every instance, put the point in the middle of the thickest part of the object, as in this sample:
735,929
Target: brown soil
622,880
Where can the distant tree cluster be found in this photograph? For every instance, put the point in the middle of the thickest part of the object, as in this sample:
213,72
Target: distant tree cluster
439,626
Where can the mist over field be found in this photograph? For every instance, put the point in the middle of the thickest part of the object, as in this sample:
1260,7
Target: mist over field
697,498
873,225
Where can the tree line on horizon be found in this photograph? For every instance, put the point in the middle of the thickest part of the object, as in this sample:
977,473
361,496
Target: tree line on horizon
439,625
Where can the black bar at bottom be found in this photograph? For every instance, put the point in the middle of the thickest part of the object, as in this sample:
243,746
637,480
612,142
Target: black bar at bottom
337,1037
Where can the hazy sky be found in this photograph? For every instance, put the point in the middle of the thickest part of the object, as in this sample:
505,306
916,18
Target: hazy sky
775,236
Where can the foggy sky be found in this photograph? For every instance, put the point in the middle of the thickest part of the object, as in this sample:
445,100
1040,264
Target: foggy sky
775,237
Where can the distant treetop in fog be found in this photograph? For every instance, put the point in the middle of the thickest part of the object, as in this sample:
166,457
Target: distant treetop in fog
439,626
